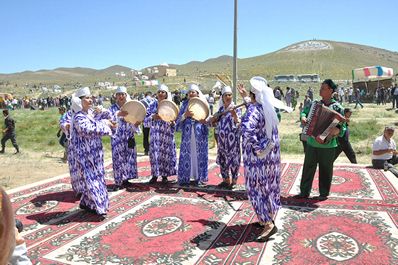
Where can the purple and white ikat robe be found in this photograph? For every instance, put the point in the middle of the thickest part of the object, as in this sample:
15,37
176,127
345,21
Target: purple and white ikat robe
162,149
228,145
76,180
262,174
193,159
89,158
124,159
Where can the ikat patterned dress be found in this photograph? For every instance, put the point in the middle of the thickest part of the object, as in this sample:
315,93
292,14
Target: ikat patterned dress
228,145
76,180
89,159
197,133
262,174
162,149
124,158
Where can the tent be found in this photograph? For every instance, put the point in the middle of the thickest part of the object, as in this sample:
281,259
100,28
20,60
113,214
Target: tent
368,79
371,73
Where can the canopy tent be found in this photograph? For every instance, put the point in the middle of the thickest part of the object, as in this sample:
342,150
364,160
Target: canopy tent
371,73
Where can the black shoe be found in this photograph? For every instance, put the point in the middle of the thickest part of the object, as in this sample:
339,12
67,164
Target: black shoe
223,185
1,151
153,180
321,198
258,224
232,186
17,152
199,184
19,225
126,183
264,238
164,180
300,196
117,187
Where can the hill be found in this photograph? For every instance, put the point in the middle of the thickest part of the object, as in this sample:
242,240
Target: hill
329,59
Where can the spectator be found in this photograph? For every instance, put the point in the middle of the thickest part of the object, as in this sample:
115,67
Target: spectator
9,132
384,151
358,98
344,144
211,103
147,101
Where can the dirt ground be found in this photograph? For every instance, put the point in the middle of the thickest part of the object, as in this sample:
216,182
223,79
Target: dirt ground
28,167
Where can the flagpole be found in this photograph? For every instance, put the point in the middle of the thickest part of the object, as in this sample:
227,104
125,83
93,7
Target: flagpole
235,66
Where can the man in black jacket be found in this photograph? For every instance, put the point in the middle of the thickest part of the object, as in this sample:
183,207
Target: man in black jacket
9,132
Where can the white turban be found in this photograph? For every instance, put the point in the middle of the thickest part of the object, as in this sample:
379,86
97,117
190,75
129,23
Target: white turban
265,96
163,87
225,89
83,92
121,89
76,101
195,87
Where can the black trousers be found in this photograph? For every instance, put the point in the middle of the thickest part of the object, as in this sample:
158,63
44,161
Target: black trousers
324,157
146,139
7,137
345,146
379,164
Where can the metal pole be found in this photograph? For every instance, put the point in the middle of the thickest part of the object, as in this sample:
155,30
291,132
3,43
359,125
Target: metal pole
234,74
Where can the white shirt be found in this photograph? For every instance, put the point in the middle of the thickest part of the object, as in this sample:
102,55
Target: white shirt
381,143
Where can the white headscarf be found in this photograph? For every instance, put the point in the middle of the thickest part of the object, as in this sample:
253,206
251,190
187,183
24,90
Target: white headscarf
195,87
163,87
265,96
123,89
77,104
76,101
225,89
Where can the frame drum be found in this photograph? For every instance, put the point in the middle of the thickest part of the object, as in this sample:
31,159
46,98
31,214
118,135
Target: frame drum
168,110
136,111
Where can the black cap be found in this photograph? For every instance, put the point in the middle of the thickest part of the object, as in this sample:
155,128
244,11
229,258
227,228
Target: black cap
330,83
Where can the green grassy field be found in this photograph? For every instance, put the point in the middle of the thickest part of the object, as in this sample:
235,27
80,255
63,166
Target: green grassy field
36,131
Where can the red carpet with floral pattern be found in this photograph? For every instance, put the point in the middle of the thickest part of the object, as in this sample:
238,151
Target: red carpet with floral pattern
165,224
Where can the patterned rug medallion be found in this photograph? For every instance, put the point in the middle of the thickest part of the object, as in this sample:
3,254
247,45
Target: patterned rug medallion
168,224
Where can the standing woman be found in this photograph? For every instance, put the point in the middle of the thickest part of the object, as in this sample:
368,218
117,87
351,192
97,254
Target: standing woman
228,139
89,156
194,151
261,153
65,125
162,146
124,151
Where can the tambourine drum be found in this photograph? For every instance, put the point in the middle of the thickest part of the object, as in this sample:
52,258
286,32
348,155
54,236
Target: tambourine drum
168,110
136,111
199,108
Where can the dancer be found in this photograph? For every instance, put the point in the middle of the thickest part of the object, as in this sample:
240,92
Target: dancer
261,153
162,146
193,159
228,139
86,134
124,151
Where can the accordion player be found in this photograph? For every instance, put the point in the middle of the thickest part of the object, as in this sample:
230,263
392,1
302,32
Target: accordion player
320,121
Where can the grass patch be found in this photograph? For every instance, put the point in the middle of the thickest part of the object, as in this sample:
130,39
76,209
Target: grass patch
36,131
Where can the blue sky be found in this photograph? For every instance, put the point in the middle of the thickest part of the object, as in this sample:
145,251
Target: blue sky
46,34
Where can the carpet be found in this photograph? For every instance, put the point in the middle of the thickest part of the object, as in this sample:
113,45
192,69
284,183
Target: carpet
166,224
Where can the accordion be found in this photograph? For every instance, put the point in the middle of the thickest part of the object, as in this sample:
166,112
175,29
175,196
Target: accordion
320,121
